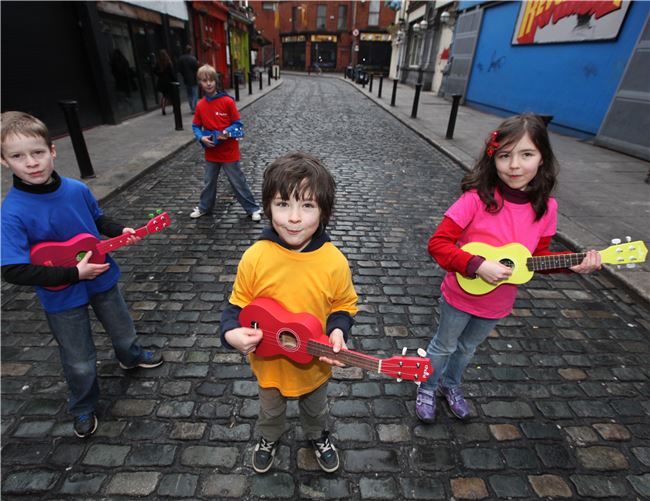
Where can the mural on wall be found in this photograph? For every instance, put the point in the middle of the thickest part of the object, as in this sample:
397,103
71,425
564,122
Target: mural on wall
540,21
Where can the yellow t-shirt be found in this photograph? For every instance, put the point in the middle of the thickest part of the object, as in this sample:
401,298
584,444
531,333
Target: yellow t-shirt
317,282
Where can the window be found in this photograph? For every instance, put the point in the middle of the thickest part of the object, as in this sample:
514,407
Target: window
268,6
321,15
295,12
415,51
343,18
373,14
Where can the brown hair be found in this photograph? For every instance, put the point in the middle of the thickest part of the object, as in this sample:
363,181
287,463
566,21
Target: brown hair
16,123
484,178
299,175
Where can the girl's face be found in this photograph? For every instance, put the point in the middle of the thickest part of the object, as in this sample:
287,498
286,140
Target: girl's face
517,165
296,221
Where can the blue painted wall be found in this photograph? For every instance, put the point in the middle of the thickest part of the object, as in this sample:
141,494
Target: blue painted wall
574,82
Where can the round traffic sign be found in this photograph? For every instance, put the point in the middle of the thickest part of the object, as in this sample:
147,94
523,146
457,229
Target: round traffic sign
355,32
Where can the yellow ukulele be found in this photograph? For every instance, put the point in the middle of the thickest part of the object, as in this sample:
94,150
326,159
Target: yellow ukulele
518,257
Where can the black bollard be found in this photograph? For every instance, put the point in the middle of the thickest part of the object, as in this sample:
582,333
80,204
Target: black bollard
381,83
236,87
261,74
276,74
176,104
372,75
452,116
250,83
70,111
269,80
416,100
392,98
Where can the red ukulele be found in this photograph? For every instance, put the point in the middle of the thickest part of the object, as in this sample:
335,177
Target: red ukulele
299,336
70,252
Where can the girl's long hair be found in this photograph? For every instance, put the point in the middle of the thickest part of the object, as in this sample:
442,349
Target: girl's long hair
485,180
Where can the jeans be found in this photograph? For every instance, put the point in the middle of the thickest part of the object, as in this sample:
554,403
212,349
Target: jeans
192,95
71,330
273,409
237,181
452,348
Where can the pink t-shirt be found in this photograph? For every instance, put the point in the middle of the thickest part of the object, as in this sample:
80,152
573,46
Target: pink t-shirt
513,223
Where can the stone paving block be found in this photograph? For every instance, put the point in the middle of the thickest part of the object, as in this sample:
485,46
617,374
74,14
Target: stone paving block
175,409
640,483
204,456
592,486
133,407
515,410
374,460
612,431
141,483
581,435
145,429
469,488
554,456
217,485
231,433
324,488
422,488
83,483
550,486
503,432
29,482
520,458
433,459
152,455
481,458
354,431
393,433
642,454
33,429
272,486
509,486
106,455
25,453
601,458
178,485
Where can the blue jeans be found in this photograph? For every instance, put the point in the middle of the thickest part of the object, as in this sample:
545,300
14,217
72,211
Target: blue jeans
454,344
71,329
237,181
192,95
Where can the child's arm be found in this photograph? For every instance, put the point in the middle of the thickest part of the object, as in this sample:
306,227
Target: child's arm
233,335
442,247
111,228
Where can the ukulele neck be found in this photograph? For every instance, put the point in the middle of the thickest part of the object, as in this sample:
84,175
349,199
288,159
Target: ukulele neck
319,349
106,246
539,263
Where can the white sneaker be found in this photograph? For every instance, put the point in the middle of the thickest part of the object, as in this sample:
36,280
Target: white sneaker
256,216
197,213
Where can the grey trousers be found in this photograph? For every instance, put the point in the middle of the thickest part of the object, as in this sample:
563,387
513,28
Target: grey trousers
312,407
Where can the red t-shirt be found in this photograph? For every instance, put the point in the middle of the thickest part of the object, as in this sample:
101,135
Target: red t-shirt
217,114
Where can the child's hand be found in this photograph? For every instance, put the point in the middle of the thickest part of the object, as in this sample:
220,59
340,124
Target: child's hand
493,272
223,136
133,239
88,271
591,262
207,142
337,340
244,339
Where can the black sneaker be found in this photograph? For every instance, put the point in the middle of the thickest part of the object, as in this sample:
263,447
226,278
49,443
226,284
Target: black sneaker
85,425
264,454
326,455
148,360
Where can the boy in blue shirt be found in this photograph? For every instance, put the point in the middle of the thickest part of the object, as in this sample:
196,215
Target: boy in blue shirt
42,207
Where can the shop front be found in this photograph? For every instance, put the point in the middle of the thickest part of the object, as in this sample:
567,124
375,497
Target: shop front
323,51
293,52
375,51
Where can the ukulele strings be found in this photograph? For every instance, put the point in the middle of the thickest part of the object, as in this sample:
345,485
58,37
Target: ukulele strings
321,350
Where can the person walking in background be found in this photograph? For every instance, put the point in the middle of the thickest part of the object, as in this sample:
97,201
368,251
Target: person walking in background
187,67
216,121
506,198
43,206
295,264
164,70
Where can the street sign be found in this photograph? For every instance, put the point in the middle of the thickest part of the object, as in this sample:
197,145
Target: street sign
355,32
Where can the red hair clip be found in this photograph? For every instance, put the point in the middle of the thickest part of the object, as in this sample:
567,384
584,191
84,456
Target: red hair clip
493,145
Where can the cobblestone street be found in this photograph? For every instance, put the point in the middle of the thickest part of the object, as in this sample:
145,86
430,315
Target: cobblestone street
560,392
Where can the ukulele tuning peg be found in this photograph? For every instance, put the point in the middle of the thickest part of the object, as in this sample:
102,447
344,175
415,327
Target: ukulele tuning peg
616,241
158,211
404,350
151,216
399,379
418,383
630,265
628,239
422,353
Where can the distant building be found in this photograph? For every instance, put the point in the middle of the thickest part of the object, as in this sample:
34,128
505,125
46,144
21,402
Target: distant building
328,35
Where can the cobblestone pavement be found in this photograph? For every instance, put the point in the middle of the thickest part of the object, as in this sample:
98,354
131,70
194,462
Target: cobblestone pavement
560,391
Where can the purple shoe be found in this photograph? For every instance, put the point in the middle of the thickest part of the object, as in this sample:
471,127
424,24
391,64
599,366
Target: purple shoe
425,405
457,403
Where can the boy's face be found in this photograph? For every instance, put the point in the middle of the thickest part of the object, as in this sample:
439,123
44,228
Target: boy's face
209,85
29,158
296,221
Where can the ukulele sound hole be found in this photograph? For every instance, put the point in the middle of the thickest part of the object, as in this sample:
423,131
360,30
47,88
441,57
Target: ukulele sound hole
507,262
288,340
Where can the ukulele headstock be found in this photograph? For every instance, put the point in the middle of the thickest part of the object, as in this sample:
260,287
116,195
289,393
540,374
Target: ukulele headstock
417,369
158,222
628,252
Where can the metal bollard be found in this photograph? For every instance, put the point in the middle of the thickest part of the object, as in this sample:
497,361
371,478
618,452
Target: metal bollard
261,75
416,100
276,75
250,83
452,116
372,76
236,87
363,83
176,104
269,80
392,98
70,111
381,83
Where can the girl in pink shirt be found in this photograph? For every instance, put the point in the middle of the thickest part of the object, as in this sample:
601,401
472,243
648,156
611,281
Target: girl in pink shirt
506,198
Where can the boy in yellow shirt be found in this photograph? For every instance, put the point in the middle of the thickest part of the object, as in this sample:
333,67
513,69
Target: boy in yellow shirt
295,263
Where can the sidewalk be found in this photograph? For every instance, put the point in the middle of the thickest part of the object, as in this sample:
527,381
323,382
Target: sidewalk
601,193
121,153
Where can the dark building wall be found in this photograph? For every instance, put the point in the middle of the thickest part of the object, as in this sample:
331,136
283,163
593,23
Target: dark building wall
44,60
